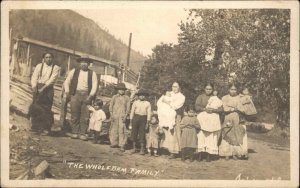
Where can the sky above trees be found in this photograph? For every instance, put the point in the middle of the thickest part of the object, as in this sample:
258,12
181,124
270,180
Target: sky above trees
149,26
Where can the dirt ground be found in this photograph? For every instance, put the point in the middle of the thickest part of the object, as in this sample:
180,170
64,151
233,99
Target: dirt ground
75,159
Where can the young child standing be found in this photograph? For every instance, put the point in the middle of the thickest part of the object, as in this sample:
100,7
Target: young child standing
153,136
139,119
96,119
189,126
246,106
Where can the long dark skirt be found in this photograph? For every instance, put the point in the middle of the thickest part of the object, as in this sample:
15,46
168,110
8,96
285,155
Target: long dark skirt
40,110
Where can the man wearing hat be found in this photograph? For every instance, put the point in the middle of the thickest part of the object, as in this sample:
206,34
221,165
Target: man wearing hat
81,85
119,109
139,119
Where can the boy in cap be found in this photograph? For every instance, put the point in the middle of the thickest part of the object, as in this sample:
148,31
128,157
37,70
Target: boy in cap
139,118
81,85
119,109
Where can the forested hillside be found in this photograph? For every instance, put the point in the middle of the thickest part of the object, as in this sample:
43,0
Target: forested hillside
71,30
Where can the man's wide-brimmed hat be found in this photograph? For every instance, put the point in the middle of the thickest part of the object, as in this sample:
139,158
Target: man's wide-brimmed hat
84,58
121,86
142,92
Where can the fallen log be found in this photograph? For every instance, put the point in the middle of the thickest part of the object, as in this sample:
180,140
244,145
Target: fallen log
23,176
41,168
63,161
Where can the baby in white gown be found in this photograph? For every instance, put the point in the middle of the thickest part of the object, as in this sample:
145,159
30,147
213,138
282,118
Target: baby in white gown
210,122
166,114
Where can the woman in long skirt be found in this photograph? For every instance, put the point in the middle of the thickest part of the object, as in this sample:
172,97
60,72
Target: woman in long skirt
234,137
209,122
171,139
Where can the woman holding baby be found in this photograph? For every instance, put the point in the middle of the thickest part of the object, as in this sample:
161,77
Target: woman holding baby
208,106
171,103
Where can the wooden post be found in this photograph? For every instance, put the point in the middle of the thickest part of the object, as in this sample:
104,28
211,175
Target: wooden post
129,46
138,80
28,54
10,39
69,64
26,72
29,67
123,75
105,73
14,68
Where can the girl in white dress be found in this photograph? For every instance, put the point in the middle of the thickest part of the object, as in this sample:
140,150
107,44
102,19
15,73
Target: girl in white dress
96,119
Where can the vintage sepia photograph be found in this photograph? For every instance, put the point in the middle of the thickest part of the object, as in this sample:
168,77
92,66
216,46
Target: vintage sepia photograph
105,91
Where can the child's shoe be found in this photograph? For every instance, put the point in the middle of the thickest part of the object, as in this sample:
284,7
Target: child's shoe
149,153
142,152
134,148
245,157
122,148
172,156
208,157
96,137
155,153
199,157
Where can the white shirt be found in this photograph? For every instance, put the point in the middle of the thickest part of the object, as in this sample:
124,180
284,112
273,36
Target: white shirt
82,84
44,77
141,108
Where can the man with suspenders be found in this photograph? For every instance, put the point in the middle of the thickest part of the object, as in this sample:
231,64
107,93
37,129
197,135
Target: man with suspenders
42,81
81,85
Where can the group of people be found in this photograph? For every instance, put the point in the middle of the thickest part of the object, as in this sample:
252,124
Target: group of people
209,127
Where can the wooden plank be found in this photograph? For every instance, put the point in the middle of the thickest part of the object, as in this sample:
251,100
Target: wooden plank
69,64
97,60
65,50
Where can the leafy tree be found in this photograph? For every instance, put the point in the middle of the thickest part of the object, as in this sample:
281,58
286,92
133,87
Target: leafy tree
252,43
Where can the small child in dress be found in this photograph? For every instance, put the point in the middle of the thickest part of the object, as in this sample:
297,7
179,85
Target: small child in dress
153,136
189,126
211,121
247,105
96,119
165,112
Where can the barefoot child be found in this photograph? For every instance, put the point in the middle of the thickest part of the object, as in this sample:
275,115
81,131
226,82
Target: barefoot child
189,126
96,119
153,136
139,119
